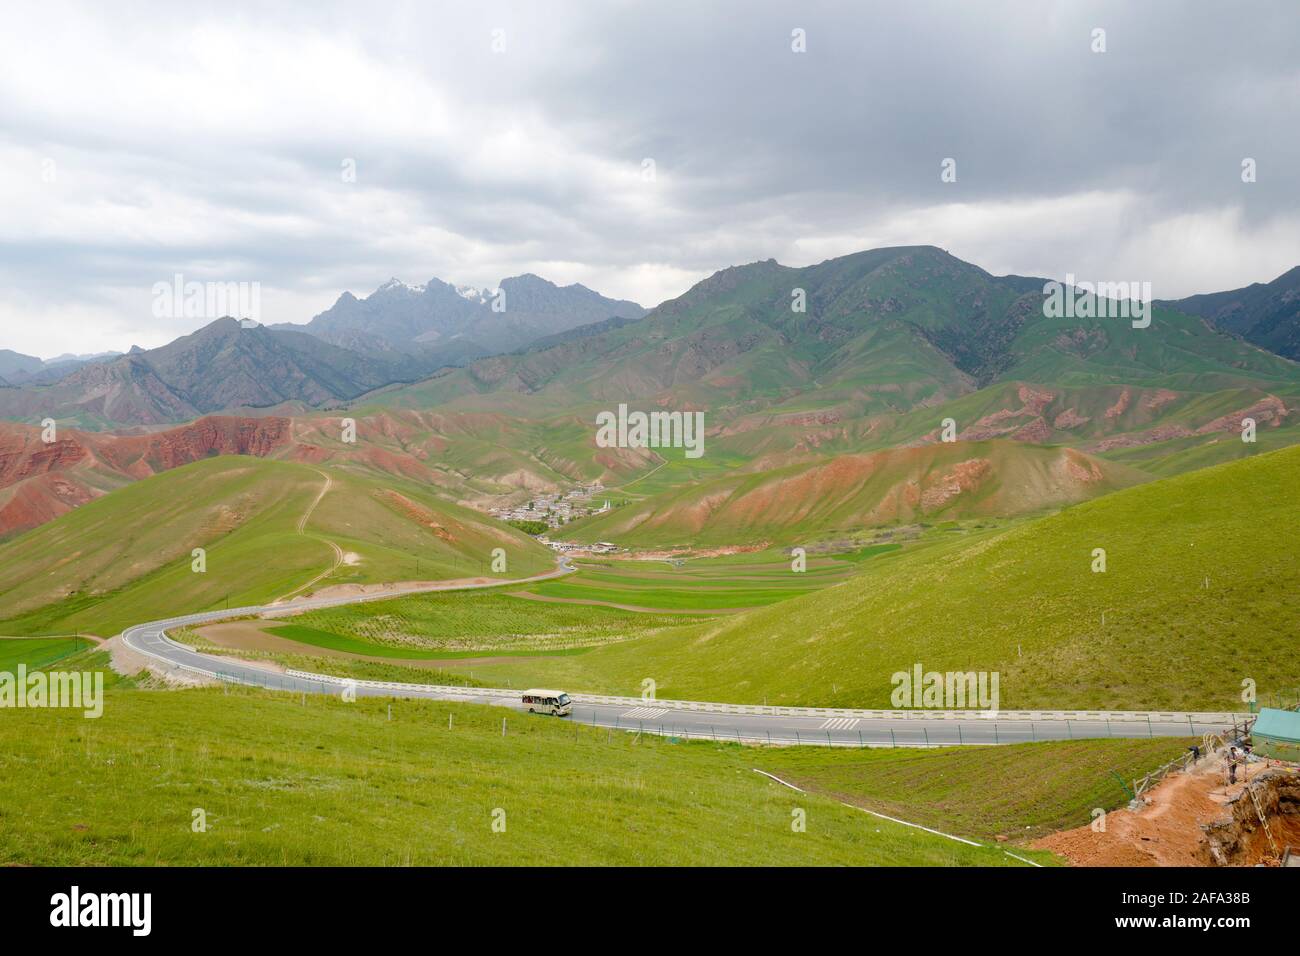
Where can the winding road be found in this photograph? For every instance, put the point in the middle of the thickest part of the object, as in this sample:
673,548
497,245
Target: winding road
682,719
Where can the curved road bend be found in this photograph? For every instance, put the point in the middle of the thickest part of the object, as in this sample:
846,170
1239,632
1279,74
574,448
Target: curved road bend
668,718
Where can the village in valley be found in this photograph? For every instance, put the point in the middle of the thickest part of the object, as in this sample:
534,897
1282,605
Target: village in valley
555,509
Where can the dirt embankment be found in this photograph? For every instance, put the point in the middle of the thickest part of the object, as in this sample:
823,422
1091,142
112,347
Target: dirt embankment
1178,823
1241,840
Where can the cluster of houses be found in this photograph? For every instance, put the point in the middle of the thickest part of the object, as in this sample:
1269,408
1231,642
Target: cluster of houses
556,509
565,547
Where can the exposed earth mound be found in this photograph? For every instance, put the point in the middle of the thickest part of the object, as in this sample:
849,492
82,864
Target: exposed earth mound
41,480
1195,818
938,481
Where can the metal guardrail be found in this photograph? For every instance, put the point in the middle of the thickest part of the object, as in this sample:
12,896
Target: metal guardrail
1209,718
1213,719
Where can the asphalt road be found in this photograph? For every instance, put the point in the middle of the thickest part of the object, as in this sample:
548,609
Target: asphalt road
791,726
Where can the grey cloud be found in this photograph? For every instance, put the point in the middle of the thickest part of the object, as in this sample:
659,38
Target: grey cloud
757,148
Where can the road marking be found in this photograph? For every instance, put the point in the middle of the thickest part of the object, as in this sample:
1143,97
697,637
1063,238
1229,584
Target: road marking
645,713
948,836
840,723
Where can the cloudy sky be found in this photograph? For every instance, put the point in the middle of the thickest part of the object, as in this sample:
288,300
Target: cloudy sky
138,141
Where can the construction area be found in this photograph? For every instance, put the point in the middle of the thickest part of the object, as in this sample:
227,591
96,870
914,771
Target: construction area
1234,801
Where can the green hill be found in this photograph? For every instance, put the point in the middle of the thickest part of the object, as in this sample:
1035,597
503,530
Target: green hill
268,531
891,342
1201,592
847,493
891,329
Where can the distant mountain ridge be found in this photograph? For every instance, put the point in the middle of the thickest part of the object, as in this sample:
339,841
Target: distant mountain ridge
1265,313
461,320
223,365
888,330
19,369
398,334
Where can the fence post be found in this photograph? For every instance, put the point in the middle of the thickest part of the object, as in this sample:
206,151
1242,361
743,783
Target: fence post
892,739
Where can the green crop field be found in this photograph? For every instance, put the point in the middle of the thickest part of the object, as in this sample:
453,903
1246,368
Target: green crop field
446,624
336,665
283,783
502,623
37,651
1201,591
728,583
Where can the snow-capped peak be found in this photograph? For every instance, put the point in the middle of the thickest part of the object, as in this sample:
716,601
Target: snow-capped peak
396,283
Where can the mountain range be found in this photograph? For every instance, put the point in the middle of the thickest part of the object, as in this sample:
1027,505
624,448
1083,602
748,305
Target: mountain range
397,334
835,377
462,321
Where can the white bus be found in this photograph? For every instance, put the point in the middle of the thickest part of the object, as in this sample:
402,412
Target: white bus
552,702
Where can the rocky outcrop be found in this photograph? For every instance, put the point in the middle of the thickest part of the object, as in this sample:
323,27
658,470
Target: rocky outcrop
1269,409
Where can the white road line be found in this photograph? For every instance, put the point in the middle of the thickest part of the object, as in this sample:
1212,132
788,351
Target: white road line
948,836
840,723
645,713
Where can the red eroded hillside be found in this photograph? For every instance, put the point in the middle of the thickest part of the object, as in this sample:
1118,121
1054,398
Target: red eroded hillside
40,481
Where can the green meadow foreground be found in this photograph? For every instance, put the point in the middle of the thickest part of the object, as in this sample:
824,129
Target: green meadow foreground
330,782
280,780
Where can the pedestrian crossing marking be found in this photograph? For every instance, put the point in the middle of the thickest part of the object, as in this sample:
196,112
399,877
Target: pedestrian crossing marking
840,723
645,713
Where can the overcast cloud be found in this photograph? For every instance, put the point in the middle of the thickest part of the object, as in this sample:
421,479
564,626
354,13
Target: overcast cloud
210,141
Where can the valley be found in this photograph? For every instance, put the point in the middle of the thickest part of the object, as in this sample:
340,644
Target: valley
918,471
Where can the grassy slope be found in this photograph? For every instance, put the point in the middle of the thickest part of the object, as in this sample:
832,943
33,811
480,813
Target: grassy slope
1022,791
806,501
126,557
335,783
1024,602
